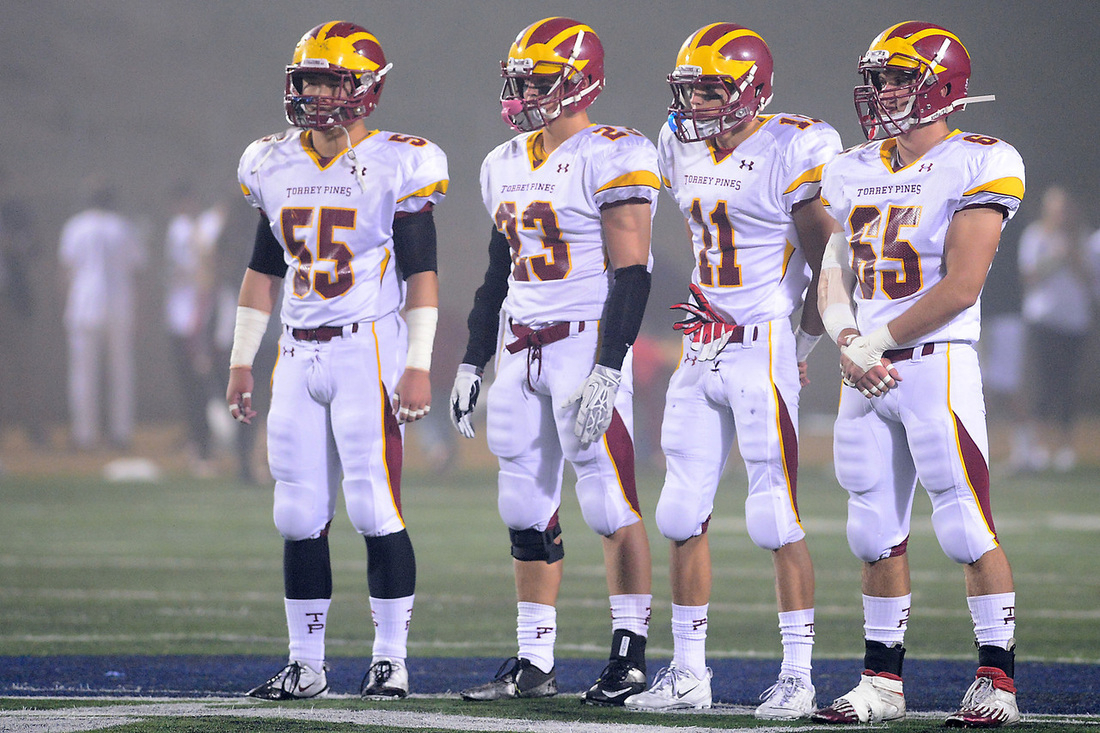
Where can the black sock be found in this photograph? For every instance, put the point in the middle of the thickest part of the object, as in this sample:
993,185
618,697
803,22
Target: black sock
879,657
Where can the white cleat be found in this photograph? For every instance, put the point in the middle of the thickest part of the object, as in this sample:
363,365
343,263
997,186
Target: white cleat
387,679
673,689
295,681
877,698
989,703
789,698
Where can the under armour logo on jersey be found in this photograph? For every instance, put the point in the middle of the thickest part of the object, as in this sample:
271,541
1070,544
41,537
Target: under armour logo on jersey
563,167
925,167
747,164
288,351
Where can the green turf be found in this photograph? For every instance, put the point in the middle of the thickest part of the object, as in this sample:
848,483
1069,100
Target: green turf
194,567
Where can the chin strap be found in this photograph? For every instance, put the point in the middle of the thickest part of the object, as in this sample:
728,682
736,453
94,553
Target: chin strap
356,169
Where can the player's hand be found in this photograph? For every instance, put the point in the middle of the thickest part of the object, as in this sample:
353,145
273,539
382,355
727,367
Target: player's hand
803,373
412,399
873,382
464,396
699,312
597,403
238,394
709,339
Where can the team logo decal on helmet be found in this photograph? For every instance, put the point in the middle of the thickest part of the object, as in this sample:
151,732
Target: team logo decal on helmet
554,65
931,74
727,59
352,57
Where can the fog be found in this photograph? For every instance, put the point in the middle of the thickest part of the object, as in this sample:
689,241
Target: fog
149,92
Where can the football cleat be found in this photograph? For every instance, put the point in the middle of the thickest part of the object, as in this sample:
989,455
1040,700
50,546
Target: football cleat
387,679
877,698
989,703
515,678
295,681
789,698
673,689
619,680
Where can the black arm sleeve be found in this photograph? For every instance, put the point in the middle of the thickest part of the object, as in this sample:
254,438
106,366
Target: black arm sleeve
485,315
267,253
414,243
622,314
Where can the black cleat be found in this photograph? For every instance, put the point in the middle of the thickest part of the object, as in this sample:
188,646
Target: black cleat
619,680
515,678
295,681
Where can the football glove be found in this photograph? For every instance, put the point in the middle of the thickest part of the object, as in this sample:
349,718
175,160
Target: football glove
709,332
464,396
597,398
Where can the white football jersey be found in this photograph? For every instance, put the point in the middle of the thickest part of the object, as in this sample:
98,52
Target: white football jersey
549,209
748,260
337,238
897,259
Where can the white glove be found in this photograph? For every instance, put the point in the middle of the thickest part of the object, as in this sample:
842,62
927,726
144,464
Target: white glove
464,398
597,398
709,340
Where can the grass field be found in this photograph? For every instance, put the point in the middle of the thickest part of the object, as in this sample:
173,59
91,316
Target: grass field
187,567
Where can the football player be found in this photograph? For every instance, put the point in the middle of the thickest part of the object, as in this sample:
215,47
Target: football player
748,185
921,208
566,287
349,250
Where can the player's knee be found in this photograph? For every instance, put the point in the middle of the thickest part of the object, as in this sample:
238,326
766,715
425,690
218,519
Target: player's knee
603,507
677,516
768,528
961,540
520,501
295,520
870,545
532,545
370,515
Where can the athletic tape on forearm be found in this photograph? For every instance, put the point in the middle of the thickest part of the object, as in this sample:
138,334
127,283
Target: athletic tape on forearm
247,335
422,323
837,317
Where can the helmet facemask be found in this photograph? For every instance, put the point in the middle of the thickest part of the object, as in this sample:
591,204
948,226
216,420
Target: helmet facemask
556,87
898,109
355,97
691,124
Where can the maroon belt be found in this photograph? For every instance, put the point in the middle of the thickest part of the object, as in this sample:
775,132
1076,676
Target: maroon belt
529,337
321,333
897,355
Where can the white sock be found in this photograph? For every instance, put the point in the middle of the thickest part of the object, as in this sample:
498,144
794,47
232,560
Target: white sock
536,631
994,618
885,619
796,629
631,612
689,638
305,622
391,617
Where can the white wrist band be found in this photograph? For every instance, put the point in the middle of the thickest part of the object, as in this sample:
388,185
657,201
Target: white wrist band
422,323
838,317
247,335
804,343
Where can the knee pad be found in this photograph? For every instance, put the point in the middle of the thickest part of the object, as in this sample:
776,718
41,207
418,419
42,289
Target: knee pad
604,508
521,501
680,514
770,526
963,536
373,510
298,516
868,539
530,545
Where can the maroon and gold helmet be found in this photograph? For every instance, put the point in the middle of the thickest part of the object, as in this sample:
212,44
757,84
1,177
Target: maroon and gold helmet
732,58
562,60
935,68
349,54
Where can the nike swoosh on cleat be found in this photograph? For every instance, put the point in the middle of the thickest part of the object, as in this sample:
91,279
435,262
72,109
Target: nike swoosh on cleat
617,693
680,695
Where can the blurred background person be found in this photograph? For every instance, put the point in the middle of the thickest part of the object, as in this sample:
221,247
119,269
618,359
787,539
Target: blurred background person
1057,314
188,310
101,252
